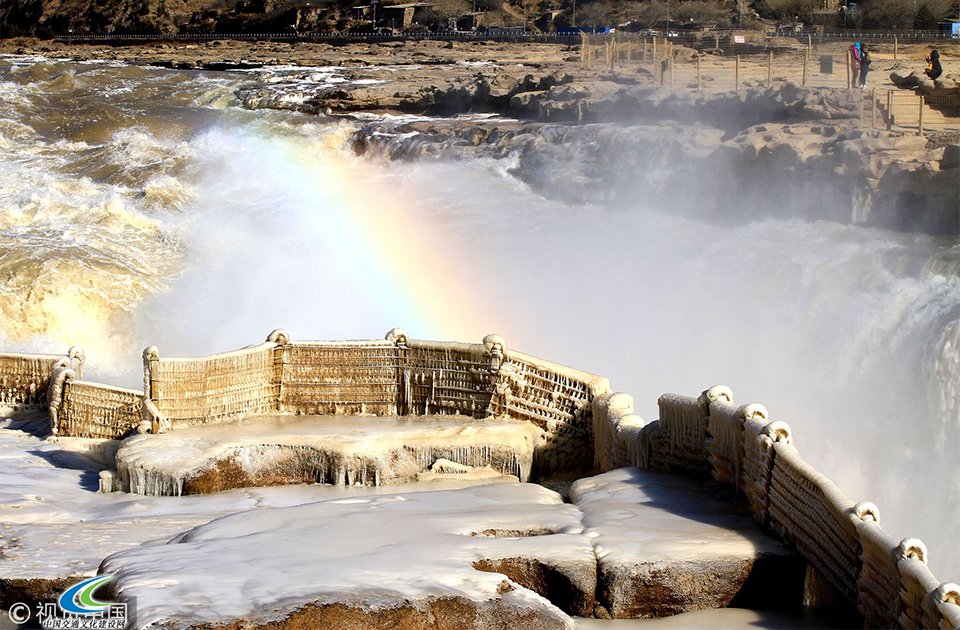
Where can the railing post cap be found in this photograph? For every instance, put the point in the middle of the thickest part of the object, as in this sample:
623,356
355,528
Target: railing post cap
396,335
718,392
278,336
912,548
865,510
778,431
494,342
751,411
151,352
75,352
947,593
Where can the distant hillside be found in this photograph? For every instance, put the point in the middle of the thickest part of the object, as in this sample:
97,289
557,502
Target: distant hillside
59,17
45,18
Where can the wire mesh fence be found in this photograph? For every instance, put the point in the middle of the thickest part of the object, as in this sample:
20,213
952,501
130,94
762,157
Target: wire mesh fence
715,65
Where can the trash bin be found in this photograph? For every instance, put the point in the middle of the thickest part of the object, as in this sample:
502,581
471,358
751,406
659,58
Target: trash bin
826,64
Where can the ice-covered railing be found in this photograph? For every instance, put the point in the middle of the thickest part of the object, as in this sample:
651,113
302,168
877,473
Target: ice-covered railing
25,378
93,410
393,376
209,390
887,580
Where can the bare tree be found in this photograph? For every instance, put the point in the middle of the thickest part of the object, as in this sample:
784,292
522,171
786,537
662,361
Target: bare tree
700,11
887,14
942,9
788,9
597,13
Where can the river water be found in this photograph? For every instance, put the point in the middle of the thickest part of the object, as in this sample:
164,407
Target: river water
142,206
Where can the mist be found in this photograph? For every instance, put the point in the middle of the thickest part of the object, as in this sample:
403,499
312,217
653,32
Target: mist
837,329
232,223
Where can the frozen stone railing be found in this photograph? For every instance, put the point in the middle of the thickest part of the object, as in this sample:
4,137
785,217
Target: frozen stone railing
887,581
92,410
707,436
392,376
25,378
208,390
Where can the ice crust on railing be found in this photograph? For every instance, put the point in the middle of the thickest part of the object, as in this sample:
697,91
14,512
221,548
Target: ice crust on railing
582,422
741,447
25,378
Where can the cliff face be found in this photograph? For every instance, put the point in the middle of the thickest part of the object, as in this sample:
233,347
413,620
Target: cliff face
798,152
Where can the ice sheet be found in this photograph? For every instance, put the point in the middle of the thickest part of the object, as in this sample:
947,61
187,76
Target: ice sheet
371,551
687,523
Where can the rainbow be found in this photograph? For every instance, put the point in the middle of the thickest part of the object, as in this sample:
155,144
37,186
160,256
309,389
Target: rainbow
408,267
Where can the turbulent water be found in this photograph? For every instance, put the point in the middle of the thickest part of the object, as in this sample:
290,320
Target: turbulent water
143,206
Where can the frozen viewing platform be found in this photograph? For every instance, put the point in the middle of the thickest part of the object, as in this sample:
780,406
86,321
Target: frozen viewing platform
427,514
341,450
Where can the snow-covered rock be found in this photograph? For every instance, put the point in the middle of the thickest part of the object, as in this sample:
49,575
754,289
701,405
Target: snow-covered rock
375,559
666,545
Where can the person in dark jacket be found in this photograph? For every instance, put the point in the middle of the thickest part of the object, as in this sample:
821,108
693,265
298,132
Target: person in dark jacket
864,65
934,69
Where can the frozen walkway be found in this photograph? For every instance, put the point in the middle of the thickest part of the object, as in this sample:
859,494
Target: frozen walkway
535,545
502,555
666,544
343,450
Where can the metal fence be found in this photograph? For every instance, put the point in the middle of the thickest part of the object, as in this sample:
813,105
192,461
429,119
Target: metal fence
929,110
517,33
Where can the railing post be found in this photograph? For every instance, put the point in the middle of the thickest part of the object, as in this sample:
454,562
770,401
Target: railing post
896,47
873,107
736,73
804,80
698,74
404,393
151,389
920,130
770,70
281,339
670,68
889,109
849,83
